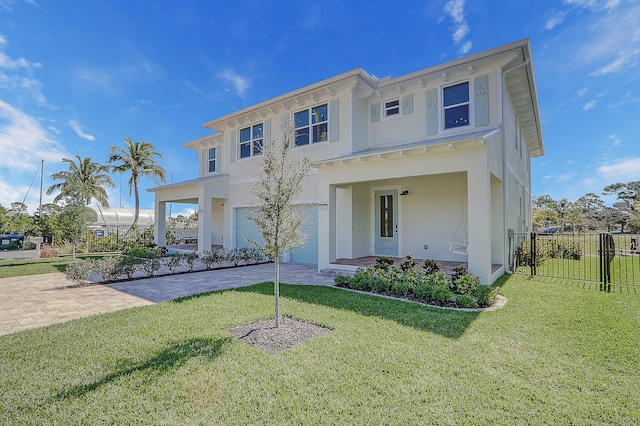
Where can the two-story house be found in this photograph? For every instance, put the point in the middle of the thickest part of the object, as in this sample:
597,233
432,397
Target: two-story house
436,163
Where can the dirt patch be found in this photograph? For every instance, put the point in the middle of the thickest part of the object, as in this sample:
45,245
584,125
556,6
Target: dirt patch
263,335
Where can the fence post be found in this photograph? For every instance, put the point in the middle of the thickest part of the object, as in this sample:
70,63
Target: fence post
606,251
534,261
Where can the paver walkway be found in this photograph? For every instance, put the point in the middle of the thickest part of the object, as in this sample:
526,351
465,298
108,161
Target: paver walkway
39,300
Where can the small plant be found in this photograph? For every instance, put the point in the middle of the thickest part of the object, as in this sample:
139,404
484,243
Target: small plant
465,301
107,267
430,266
438,279
151,265
400,287
232,256
424,290
245,254
190,259
379,285
466,284
407,263
486,295
209,258
342,280
441,293
129,266
172,262
78,271
414,277
384,262
459,271
47,251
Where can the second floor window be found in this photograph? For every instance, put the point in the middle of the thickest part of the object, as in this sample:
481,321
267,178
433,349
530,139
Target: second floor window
392,107
311,125
251,141
456,105
213,154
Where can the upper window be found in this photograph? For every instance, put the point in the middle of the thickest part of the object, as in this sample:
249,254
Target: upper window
311,125
213,157
392,107
251,141
456,105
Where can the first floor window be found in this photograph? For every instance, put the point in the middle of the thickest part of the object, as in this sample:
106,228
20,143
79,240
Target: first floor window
251,140
456,105
213,153
311,125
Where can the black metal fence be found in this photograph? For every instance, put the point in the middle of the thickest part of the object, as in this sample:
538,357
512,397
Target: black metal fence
605,258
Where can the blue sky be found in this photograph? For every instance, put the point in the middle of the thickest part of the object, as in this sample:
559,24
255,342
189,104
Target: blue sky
78,76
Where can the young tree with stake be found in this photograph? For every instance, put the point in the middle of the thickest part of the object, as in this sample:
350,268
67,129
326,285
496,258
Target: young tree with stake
280,181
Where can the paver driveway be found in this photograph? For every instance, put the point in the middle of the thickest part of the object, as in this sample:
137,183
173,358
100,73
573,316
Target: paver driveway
39,300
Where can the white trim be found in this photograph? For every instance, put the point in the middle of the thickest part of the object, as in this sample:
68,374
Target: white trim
441,118
384,108
311,125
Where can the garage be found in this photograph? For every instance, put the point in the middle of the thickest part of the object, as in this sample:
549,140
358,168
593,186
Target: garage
308,254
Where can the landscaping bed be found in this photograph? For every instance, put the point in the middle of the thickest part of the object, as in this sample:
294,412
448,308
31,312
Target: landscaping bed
427,285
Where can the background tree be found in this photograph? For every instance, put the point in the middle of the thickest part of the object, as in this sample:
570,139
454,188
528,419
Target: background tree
280,182
84,180
138,159
627,194
592,209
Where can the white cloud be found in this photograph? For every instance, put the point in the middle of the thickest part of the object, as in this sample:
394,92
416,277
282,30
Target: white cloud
76,128
627,58
555,20
241,84
615,140
589,105
455,10
622,170
24,143
16,76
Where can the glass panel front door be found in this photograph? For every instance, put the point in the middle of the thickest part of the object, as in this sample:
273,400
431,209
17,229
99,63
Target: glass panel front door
386,240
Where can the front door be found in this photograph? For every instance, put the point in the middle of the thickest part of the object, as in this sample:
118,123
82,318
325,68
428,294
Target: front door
386,222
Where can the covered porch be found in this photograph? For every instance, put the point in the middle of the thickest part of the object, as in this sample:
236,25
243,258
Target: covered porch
209,194
434,202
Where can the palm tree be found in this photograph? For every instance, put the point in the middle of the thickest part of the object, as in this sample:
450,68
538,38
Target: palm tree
139,159
83,181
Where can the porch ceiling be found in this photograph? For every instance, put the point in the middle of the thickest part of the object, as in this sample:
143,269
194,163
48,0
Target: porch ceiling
192,182
424,145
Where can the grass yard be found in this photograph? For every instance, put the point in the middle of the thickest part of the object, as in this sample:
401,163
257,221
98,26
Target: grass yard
24,267
557,353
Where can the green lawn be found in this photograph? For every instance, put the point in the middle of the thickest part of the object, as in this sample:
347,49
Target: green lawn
24,267
558,353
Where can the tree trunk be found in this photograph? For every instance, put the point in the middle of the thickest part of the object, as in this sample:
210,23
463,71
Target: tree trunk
136,212
276,290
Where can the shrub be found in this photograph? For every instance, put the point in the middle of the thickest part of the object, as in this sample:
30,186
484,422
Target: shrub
486,295
78,271
173,262
379,285
441,293
190,259
459,271
414,277
209,258
360,282
556,249
407,263
151,265
107,268
465,301
400,287
466,284
438,279
128,266
342,280
47,251
389,275
232,256
430,266
384,262
424,290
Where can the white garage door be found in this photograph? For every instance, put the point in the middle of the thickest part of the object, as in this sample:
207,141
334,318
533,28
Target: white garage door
246,229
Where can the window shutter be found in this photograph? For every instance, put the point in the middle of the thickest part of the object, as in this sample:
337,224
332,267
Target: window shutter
334,120
407,104
234,147
481,88
266,132
375,113
432,112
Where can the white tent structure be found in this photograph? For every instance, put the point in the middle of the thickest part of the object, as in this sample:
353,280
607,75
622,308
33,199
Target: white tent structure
117,217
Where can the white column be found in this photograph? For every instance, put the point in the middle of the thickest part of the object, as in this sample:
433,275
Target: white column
326,224
204,224
479,214
160,226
